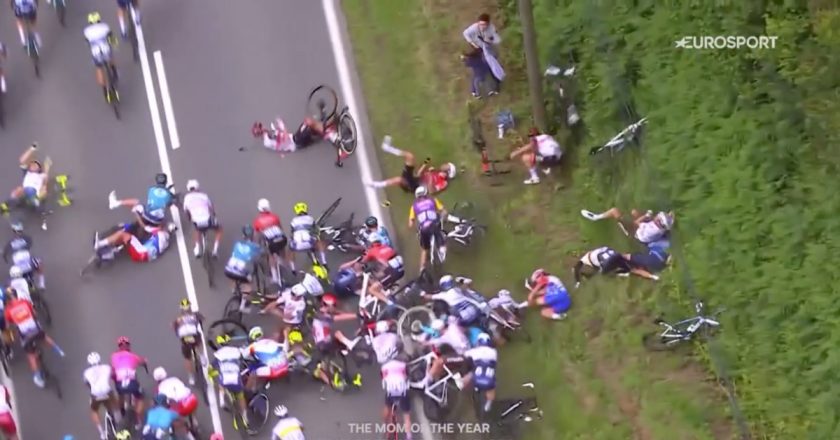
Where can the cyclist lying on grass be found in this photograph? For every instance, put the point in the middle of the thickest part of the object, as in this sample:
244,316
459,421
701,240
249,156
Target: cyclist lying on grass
435,179
647,228
541,150
606,260
548,292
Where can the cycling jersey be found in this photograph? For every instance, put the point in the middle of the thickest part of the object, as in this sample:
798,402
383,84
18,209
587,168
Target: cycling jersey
242,258
322,324
547,146
159,418
600,258
186,326
228,363
385,346
484,367
20,313
383,255
125,364
98,378
151,249
394,378
649,231
454,337
268,224
200,209
158,198
556,295
18,252
288,428
312,284
271,358
174,389
100,49
303,232
365,234
426,211
293,308
24,7
436,180
21,288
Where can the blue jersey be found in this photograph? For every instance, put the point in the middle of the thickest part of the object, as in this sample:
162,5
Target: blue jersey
160,417
158,199
484,366
243,256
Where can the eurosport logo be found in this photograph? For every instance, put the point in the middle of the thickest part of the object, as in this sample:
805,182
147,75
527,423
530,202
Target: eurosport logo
726,42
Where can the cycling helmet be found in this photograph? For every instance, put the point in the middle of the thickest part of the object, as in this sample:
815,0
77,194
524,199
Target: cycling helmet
446,282
382,327
123,341
263,205
161,400
185,304
371,222
344,282
281,411
438,325
160,178
504,294
421,191
483,340
159,374
295,336
298,290
93,358
192,185
301,208
329,299
537,276
15,272
665,220
222,340
451,171
216,436
255,333
17,226
248,232
94,18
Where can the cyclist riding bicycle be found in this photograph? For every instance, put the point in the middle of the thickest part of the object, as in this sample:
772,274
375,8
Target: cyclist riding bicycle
549,293
123,11
34,187
98,377
481,362
26,14
395,384
183,401
159,198
99,37
201,213
370,229
271,230
426,213
186,326
18,252
288,427
160,420
242,259
124,364
7,421
305,234
227,366
386,344
266,358
20,312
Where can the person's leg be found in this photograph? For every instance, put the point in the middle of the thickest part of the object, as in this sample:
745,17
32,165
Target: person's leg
613,213
217,238
408,158
94,417
529,161
121,13
196,237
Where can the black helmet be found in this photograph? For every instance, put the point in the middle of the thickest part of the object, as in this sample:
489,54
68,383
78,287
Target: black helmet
160,179
371,222
248,231
161,400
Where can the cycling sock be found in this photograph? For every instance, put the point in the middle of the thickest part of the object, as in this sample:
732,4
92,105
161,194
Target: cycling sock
533,173
22,38
323,256
215,247
390,149
122,25
378,184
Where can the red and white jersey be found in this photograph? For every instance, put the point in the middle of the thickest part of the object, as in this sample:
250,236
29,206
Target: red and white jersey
174,389
394,378
268,224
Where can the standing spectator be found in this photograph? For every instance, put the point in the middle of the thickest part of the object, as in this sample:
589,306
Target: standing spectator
474,59
482,36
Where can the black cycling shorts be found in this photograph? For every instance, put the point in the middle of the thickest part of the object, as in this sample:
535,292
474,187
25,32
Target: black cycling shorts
212,224
30,342
187,347
304,136
427,233
409,180
131,387
403,402
237,277
278,246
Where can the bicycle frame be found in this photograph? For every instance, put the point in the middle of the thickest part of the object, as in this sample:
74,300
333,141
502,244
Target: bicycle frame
429,389
619,141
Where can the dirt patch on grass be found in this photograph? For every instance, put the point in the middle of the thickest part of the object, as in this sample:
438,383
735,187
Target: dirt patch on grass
576,381
627,402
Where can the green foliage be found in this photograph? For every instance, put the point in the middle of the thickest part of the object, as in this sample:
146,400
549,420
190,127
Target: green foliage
741,143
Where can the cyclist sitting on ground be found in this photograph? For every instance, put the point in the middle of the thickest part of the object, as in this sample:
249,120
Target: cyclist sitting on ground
33,189
186,326
394,373
305,234
123,11
455,298
427,213
266,358
124,363
606,260
386,265
98,378
19,311
18,252
160,420
326,339
450,341
201,213
182,400
541,150
269,226
159,198
548,292
227,366
144,242
647,228
7,422
435,179
242,259
481,361
288,427
99,37
370,229
386,344
26,14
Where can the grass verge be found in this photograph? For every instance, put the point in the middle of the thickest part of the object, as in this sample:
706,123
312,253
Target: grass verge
595,380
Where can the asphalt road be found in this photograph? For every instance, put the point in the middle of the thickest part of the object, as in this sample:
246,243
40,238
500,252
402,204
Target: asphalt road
227,64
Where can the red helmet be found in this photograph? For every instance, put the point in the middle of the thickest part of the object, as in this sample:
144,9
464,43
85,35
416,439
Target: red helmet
538,277
123,341
216,436
329,299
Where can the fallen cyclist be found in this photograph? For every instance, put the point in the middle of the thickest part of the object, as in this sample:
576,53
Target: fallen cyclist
159,198
647,228
548,292
33,189
436,179
278,138
606,260
144,242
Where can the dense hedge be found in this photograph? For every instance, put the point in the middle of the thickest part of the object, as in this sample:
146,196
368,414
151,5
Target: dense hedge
743,144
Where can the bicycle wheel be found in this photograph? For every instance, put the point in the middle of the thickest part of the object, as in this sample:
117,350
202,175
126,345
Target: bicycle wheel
32,49
132,34
655,342
232,309
439,411
413,320
207,259
239,425
42,309
200,380
50,380
237,332
322,103
258,408
61,11
347,134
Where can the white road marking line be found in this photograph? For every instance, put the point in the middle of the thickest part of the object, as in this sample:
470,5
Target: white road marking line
342,63
10,385
176,217
166,99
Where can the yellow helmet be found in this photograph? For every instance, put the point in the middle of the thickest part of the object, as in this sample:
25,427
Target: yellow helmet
185,304
295,336
301,208
94,18
222,339
320,271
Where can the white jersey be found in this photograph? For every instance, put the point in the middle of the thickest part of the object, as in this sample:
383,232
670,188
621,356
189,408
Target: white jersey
34,180
385,346
21,287
228,365
293,308
174,389
648,232
5,405
596,257
454,337
312,285
98,378
200,208
302,227
453,296
547,146
280,139
288,428
394,378
97,36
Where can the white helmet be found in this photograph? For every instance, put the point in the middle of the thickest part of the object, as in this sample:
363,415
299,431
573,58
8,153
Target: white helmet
93,358
452,171
263,205
299,290
281,411
665,220
421,191
504,294
438,325
382,327
192,185
159,374
15,272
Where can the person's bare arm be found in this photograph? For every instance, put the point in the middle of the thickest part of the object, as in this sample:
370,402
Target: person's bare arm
27,155
521,150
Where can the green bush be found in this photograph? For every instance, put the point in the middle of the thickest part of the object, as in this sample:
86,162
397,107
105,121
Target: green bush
741,143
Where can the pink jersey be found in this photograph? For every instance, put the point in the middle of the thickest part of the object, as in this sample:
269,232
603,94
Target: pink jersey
125,365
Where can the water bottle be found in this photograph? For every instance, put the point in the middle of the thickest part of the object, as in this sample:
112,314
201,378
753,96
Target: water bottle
501,131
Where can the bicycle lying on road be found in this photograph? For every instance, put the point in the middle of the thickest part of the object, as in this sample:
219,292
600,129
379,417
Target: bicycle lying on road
673,335
323,103
440,396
